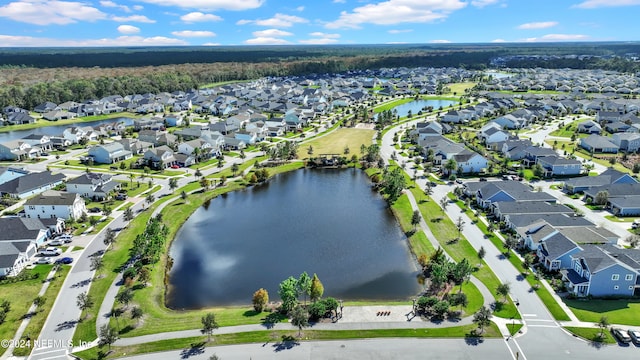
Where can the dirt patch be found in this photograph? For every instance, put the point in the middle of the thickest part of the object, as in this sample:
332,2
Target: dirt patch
365,126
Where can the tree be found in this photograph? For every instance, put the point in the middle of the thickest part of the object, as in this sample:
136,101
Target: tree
260,299
450,166
234,169
460,225
124,297
527,260
5,305
503,290
331,304
136,314
633,240
299,318
143,276
183,195
173,184
198,173
131,177
444,202
3,316
482,318
128,214
205,183
209,324
149,199
461,271
96,263
317,289
109,237
304,285
603,324
108,335
509,243
289,293
602,197
84,302
39,301
459,299
415,219
310,150
393,182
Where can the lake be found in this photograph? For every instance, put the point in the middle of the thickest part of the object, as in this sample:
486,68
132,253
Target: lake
57,130
328,222
417,105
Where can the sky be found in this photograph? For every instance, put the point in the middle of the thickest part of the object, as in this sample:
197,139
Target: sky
78,23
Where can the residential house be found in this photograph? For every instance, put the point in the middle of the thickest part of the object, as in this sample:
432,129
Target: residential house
589,127
38,142
510,121
494,135
205,149
627,197
10,173
95,186
136,146
109,153
602,271
234,144
627,142
31,184
608,177
555,250
559,166
76,134
160,157
509,191
598,144
19,241
515,149
56,115
55,204
470,162
14,256
503,209
17,150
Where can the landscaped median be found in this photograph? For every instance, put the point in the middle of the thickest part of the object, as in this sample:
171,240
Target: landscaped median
276,336
593,334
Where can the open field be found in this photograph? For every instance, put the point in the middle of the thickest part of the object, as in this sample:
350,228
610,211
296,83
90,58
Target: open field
459,88
336,142
623,311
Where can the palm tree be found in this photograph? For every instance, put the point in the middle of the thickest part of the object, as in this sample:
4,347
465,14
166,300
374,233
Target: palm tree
234,169
482,318
603,324
503,290
173,184
450,166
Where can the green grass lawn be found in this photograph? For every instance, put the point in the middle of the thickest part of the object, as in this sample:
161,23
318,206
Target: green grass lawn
623,311
336,142
459,88
37,320
390,105
275,336
21,295
592,334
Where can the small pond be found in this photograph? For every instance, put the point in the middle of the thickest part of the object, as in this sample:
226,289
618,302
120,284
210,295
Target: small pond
57,130
328,222
417,105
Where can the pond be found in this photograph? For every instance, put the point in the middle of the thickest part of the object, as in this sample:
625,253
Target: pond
57,130
328,222
417,105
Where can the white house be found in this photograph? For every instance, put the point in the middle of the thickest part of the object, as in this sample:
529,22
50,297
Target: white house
92,185
55,204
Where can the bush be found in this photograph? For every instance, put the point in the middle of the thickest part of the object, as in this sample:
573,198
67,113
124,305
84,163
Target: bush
317,310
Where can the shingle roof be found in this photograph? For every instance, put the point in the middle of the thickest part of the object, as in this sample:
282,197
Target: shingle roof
53,198
31,181
557,245
15,228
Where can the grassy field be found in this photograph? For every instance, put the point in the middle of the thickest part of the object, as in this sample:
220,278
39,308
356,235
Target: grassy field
21,295
592,334
459,88
623,311
272,337
336,142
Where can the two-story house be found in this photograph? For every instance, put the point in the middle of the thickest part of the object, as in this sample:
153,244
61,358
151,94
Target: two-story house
96,186
55,204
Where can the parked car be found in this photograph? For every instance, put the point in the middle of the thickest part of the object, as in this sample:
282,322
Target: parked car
635,336
56,242
121,196
50,251
458,181
175,167
94,209
483,179
43,260
635,224
65,238
433,184
620,335
64,260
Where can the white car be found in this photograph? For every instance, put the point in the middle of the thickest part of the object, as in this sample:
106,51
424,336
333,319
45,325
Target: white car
43,260
64,237
56,242
51,251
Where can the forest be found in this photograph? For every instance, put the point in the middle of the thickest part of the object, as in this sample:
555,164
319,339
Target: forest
29,77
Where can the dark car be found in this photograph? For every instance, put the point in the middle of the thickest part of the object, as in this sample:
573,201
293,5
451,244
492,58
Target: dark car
483,179
620,335
635,336
64,260
95,209
433,183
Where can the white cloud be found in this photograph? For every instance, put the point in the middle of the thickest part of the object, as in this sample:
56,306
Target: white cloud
28,41
538,25
111,4
320,41
397,12
340,1
399,31
211,44
209,4
498,40
271,33
128,29
483,3
558,37
41,12
594,4
266,41
193,33
440,42
278,20
138,7
133,18
300,8
197,16
324,35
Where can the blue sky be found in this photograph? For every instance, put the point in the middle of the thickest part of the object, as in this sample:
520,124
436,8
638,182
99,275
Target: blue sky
296,22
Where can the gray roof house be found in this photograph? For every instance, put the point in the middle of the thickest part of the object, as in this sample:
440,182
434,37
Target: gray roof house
608,177
509,191
109,153
96,186
598,144
31,184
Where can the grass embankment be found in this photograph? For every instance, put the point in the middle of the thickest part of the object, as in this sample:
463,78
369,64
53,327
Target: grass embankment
337,141
622,311
547,298
592,334
21,295
445,231
265,337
